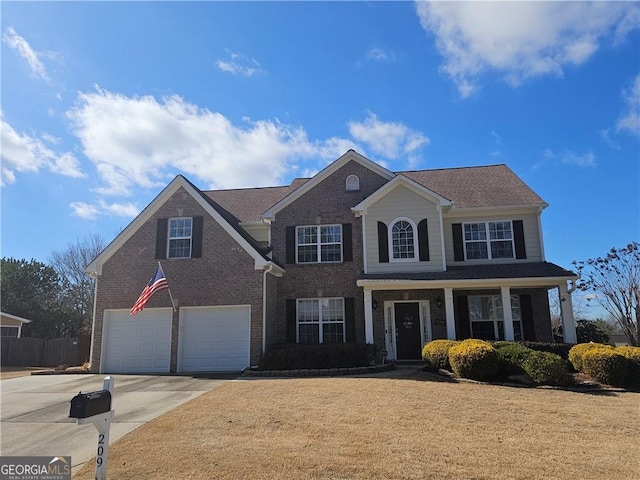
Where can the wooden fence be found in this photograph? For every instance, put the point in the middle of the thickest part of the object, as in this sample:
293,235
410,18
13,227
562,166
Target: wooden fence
38,352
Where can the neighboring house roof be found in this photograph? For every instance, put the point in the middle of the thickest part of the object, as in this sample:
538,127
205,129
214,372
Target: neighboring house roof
227,221
15,318
478,187
482,272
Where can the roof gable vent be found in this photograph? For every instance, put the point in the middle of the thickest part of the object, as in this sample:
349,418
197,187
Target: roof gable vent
352,183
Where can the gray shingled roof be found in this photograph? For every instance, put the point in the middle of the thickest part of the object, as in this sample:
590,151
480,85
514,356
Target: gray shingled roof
486,186
481,272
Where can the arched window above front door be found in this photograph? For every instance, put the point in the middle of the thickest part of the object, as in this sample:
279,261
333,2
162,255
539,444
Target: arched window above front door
402,241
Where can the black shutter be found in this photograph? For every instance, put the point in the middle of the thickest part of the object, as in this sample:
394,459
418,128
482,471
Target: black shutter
458,243
350,319
423,241
347,242
383,243
196,238
463,328
518,238
526,316
291,320
161,238
290,247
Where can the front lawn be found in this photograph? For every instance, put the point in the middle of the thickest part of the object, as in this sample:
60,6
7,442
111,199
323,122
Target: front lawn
409,427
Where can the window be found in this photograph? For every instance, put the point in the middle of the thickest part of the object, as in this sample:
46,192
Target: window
487,317
352,183
180,230
8,332
488,240
319,243
403,242
320,320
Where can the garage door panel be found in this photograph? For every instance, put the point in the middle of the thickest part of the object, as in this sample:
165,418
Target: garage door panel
215,338
137,344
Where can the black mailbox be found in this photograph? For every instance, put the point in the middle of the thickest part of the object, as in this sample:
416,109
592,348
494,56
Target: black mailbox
89,404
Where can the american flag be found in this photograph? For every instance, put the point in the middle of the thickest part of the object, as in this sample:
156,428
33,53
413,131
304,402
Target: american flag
158,282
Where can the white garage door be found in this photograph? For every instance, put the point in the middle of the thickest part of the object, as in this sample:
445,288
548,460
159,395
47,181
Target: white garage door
214,339
137,344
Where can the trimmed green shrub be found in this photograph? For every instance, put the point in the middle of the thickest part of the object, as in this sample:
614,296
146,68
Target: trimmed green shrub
605,365
577,352
560,349
436,353
511,357
545,368
632,355
335,355
475,359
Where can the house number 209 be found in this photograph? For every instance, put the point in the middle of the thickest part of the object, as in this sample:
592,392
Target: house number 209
100,449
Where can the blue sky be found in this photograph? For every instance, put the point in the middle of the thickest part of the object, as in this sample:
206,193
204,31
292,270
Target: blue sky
104,103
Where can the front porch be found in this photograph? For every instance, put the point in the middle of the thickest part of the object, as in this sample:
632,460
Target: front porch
402,314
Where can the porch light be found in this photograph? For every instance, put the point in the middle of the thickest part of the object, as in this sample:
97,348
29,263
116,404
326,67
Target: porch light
374,304
439,302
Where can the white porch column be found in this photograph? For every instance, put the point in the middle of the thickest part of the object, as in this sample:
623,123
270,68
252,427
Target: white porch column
449,312
507,313
368,316
566,309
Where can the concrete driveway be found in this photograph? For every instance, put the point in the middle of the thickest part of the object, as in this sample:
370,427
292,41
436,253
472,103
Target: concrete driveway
34,410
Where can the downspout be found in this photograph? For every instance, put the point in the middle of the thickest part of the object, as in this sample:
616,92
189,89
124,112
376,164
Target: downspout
93,323
264,306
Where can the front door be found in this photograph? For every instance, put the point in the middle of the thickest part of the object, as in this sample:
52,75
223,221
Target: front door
408,338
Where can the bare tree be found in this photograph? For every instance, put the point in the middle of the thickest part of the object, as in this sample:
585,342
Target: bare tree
79,286
615,280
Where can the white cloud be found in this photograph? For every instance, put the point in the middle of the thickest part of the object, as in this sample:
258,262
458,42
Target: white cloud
389,139
23,48
91,212
239,64
380,55
630,119
521,40
28,154
588,159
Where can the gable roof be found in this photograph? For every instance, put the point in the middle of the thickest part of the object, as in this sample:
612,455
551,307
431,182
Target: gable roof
4,315
227,221
479,187
351,155
407,182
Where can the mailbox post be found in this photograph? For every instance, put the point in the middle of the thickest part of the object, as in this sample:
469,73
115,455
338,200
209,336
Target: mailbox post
95,407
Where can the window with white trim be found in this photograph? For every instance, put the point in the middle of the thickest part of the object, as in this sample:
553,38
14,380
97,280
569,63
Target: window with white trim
488,240
320,320
487,317
180,233
319,244
9,331
403,240
352,183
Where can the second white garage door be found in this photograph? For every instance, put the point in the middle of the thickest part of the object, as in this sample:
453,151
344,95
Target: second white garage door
214,339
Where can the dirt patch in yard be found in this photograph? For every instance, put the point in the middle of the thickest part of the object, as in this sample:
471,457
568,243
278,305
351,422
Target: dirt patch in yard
400,428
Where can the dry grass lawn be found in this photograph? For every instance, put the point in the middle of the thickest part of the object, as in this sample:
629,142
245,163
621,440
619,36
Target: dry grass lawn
389,428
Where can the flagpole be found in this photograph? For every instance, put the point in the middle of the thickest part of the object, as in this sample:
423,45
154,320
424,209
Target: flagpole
169,290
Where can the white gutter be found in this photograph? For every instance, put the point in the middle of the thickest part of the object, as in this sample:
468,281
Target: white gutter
400,284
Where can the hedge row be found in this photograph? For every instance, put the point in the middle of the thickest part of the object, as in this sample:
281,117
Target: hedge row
321,356
607,364
480,360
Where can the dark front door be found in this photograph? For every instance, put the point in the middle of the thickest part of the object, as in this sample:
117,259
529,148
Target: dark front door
408,338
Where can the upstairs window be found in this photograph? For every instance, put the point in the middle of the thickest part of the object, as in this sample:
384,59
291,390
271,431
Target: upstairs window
352,183
180,234
320,320
488,240
319,244
403,241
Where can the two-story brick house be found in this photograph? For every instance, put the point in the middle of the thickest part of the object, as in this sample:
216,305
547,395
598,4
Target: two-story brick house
354,254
